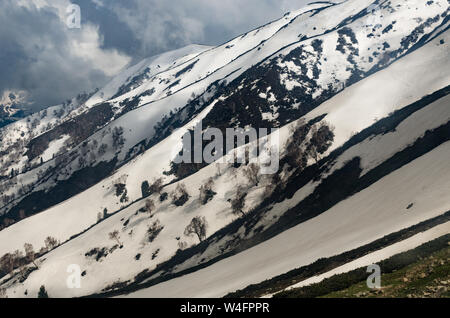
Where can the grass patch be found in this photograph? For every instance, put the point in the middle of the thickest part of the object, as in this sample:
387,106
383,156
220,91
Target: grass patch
421,272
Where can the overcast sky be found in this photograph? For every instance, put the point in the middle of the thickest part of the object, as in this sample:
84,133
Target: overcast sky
47,62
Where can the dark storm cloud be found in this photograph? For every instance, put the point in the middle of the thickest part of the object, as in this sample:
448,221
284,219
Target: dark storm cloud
116,34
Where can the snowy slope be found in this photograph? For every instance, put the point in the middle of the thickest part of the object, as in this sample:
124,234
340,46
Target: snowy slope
380,255
85,206
172,218
342,77
150,66
171,63
198,61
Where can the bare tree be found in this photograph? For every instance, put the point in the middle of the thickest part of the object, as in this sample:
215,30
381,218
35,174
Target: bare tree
182,245
17,257
154,230
51,243
275,181
30,255
118,139
157,186
322,136
102,149
114,235
206,192
295,153
180,196
7,263
238,203
42,251
197,227
252,173
149,205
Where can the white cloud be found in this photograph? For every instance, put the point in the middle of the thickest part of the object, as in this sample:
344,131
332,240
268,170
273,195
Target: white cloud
98,3
87,45
163,25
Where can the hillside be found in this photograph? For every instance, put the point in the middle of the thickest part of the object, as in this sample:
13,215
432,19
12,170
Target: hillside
357,93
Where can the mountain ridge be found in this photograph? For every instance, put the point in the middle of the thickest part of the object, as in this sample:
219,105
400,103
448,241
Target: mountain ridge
305,73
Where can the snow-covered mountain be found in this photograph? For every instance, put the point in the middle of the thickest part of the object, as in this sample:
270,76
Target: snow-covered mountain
9,111
359,92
